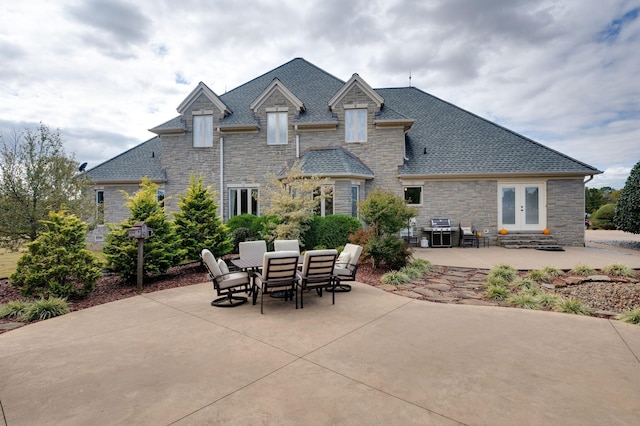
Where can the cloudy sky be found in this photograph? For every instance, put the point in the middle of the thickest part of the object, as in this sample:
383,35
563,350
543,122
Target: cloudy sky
563,72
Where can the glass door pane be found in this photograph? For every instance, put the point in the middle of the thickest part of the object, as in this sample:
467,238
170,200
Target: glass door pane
509,206
532,205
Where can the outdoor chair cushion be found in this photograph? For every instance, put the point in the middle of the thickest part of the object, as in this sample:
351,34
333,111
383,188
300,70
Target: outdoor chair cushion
343,260
208,258
234,279
223,268
286,245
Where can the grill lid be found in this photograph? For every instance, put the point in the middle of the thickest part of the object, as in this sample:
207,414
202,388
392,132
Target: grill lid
440,223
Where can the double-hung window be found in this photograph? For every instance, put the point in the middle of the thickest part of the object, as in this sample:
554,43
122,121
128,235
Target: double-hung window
243,201
355,125
202,131
325,202
276,128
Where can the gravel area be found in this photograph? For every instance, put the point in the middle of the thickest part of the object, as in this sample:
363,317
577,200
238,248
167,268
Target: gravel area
630,245
606,296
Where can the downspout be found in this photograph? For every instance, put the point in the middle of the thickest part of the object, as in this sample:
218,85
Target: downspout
584,207
221,178
297,142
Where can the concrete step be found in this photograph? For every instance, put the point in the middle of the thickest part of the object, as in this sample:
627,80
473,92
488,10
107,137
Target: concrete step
528,240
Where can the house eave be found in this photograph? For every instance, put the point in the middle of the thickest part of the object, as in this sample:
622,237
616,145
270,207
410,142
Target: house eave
176,131
485,176
390,124
316,126
340,175
97,182
239,128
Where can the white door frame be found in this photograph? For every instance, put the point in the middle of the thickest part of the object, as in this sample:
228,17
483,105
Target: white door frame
520,221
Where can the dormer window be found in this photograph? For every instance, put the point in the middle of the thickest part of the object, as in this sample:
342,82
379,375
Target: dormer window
276,126
202,131
355,124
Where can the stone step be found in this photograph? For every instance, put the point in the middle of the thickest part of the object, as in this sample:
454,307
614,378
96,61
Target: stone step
532,246
528,240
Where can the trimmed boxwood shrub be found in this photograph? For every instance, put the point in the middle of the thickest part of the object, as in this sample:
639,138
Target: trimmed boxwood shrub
249,227
241,221
603,217
330,231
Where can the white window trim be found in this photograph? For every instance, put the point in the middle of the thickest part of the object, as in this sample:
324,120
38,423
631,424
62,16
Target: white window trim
354,108
205,140
322,204
279,138
249,188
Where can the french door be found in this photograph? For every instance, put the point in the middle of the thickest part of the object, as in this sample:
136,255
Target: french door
522,206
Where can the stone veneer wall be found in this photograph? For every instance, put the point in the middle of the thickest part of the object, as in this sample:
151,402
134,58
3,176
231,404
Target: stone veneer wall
248,159
115,210
180,159
565,211
471,201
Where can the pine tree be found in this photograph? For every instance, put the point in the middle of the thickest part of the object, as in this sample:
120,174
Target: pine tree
161,251
627,215
198,223
58,263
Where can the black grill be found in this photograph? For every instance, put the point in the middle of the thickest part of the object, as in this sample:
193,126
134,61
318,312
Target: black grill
440,233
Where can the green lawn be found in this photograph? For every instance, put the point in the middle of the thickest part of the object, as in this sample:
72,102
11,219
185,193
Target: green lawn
9,259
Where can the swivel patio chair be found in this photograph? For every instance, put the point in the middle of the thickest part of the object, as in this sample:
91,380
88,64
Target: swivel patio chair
347,266
278,275
317,273
226,284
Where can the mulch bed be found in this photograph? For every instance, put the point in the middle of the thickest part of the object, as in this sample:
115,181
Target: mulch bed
112,288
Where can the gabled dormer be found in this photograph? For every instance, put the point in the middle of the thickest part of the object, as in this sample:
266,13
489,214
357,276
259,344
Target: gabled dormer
356,82
277,105
277,86
200,90
199,111
355,104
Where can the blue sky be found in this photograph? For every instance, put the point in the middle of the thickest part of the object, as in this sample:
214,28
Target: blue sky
564,72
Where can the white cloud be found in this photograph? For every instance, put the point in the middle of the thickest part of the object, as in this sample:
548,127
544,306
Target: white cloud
106,71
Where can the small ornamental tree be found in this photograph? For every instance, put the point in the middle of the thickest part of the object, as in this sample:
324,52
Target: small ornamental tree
161,251
57,263
385,214
198,224
291,200
627,214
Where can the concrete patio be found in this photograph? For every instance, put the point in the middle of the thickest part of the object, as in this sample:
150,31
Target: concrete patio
372,358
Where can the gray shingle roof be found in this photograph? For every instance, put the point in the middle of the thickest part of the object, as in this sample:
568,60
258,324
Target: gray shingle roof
131,165
333,161
458,142
312,85
173,124
445,140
